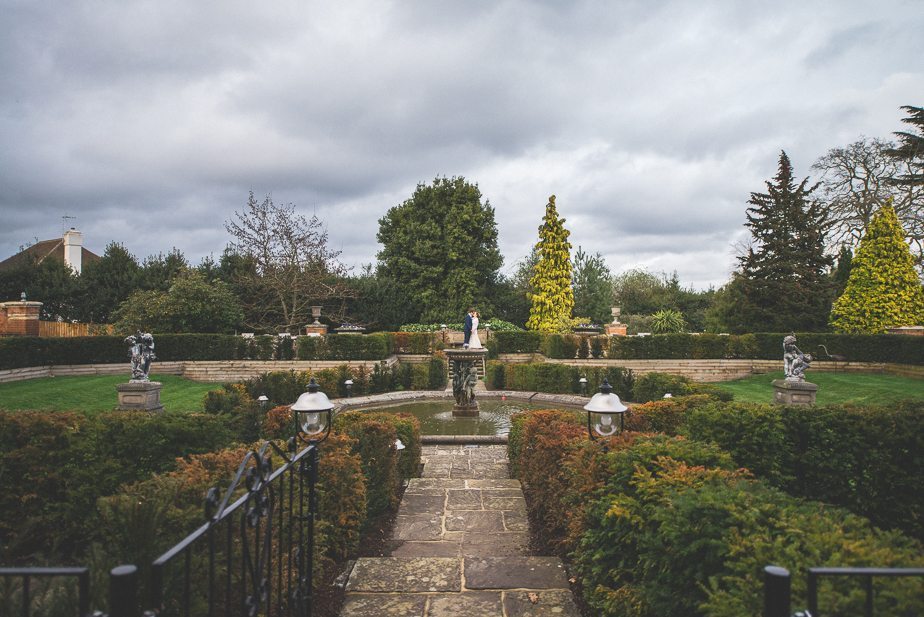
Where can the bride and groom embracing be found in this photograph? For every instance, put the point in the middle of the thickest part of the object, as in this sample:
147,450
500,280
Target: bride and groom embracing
472,341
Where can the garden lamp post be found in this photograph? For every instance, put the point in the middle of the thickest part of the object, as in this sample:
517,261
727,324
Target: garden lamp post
263,400
312,416
601,411
349,386
583,382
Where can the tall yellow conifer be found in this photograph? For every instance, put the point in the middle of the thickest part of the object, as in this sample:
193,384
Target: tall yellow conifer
883,289
553,297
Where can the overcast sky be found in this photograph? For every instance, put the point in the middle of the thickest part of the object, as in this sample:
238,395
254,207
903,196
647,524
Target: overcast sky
651,121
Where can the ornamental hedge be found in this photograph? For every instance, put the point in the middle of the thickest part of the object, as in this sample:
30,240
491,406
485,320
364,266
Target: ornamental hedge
556,378
18,352
664,525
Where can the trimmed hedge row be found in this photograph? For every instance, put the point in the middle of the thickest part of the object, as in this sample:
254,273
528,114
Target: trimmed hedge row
56,465
18,352
761,346
556,378
664,525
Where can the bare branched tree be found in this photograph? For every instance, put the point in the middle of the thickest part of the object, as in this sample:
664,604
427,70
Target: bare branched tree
289,266
856,181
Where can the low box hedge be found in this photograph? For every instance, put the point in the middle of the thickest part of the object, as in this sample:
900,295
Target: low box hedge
662,525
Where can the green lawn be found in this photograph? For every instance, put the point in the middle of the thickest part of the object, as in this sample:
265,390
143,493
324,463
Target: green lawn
96,393
833,388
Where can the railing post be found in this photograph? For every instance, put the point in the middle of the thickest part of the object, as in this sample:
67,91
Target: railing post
123,591
777,590
312,514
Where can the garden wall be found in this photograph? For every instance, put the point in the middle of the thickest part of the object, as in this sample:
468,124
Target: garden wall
202,370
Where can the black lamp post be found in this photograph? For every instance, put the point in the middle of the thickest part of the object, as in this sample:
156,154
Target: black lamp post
583,382
605,413
312,415
349,386
263,400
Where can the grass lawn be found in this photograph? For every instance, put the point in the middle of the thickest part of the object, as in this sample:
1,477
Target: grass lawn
833,388
96,393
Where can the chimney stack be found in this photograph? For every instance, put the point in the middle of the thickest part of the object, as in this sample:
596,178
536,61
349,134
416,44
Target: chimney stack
73,249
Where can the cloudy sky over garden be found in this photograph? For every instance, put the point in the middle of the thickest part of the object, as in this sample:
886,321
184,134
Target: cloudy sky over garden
651,121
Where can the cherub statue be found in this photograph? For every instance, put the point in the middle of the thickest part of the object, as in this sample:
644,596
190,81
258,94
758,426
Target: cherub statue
794,361
141,350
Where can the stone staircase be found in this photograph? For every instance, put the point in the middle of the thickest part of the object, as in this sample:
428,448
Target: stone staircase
460,548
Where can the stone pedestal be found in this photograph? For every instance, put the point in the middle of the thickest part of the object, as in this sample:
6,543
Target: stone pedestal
139,396
616,329
794,392
316,329
462,364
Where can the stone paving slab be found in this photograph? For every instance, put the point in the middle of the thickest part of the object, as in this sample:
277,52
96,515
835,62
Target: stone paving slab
515,573
422,504
505,544
550,603
440,548
493,483
405,575
482,521
469,604
418,527
384,605
441,484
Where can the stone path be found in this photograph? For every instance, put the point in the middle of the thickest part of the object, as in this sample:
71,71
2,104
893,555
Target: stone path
460,548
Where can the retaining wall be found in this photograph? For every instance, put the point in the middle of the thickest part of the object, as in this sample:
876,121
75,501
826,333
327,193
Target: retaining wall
202,370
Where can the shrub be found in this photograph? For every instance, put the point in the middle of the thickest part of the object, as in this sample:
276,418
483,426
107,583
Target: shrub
494,375
57,465
414,342
653,386
375,445
344,347
557,378
562,346
438,374
867,459
722,528
663,416
516,341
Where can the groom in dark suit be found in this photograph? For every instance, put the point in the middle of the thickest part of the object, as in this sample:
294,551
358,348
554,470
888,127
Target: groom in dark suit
467,330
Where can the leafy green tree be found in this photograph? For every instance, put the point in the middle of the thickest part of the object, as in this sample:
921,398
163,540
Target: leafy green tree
841,273
50,282
593,289
784,280
640,293
910,155
379,302
107,282
441,246
511,294
553,298
191,305
158,271
883,289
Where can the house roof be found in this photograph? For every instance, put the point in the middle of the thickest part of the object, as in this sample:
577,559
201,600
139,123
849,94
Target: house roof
40,251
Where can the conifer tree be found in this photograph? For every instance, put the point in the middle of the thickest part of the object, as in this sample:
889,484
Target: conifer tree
783,278
883,289
553,298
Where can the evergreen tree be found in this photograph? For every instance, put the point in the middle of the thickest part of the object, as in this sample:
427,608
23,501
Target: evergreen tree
440,246
593,288
883,289
911,149
553,299
783,280
107,282
841,273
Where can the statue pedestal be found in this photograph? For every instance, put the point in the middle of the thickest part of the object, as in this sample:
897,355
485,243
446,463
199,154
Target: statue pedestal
139,396
463,375
316,330
794,392
616,329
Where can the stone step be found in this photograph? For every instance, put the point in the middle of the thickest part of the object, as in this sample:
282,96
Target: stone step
520,603
451,574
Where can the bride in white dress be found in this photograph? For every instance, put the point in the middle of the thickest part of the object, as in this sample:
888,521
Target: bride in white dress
474,342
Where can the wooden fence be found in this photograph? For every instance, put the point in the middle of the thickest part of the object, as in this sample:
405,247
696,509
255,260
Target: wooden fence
63,328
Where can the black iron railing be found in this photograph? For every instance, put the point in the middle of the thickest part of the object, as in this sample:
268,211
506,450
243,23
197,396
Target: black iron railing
253,555
25,576
778,597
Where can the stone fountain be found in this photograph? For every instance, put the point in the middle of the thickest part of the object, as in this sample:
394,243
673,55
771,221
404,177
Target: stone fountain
463,370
